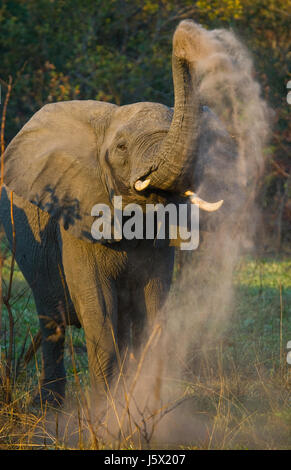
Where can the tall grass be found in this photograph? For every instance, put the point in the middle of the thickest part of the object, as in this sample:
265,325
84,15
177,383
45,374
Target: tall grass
235,395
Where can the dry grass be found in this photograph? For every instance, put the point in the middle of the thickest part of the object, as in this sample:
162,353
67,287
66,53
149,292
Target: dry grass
235,395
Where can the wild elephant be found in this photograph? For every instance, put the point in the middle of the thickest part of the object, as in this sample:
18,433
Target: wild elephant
73,155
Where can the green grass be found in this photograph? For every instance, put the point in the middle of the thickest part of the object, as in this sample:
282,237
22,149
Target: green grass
248,396
243,392
263,309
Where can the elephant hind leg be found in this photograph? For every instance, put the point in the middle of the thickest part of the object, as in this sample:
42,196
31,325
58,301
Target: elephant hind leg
124,325
53,376
147,304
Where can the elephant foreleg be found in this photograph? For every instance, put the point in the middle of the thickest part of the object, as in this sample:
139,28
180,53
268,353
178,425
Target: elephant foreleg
94,295
53,377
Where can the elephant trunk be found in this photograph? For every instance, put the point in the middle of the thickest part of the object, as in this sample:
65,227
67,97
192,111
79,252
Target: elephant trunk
173,166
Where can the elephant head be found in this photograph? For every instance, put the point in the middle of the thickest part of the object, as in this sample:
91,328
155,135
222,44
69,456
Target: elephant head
73,155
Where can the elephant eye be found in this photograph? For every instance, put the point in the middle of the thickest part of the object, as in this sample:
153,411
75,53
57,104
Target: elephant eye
122,147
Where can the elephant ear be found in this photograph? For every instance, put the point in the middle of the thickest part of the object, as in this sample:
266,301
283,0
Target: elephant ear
53,162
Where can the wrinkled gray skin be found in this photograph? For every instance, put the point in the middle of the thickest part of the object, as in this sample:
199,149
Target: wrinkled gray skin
73,155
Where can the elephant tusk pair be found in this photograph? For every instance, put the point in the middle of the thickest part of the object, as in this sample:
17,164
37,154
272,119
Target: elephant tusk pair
206,206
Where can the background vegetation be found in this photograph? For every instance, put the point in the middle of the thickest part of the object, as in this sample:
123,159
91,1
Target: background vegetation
120,51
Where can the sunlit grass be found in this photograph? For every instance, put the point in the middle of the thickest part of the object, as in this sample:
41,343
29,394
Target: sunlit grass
264,273
242,394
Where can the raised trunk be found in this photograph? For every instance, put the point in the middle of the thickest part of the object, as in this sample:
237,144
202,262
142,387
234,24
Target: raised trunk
173,166
172,169
176,158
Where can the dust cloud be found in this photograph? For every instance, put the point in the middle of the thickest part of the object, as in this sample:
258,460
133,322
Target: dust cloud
198,312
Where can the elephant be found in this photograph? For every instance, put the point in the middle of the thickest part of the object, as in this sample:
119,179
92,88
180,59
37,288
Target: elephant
73,155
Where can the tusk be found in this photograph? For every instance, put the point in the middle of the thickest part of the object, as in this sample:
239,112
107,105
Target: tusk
206,206
141,185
